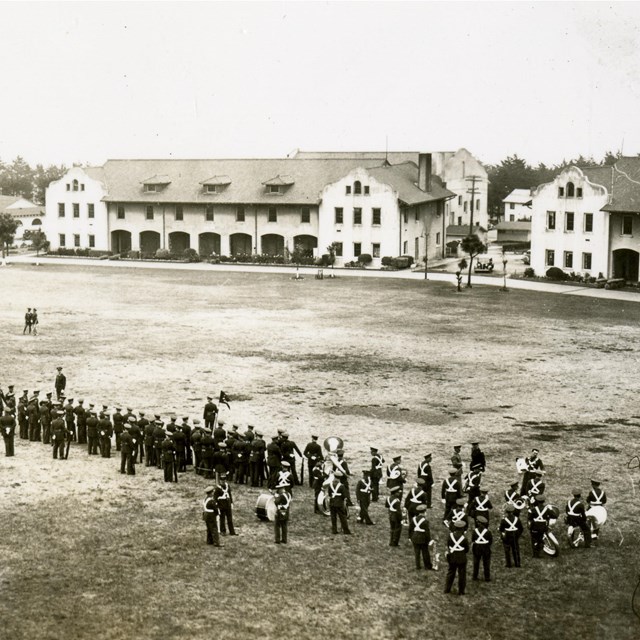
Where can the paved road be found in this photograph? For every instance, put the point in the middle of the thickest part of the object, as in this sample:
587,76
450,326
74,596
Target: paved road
309,272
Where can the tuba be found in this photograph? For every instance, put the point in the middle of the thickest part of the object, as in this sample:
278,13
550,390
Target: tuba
333,443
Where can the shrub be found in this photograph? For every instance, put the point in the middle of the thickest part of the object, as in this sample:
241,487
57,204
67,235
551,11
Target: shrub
133,255
529,272
365,258
386,261
191,255
82,253
163,254
325,260
556,273
99,253
409,258
402,262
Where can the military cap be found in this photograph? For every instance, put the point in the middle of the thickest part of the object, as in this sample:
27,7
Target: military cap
457,446
594,481
452,471
421,481
159,423
575,492
209,398
259,433
339,452
131,419
285,464
80,400
314,437
540,497
427,455
104,407
337,474
140,413
48,394
460,524
173,418
280,431
535,450
223,474
274,437
475,444
509,508
59,368
250,426
482,519
91,405
118,408
284,434
221,423
515,483
373,449
483,490
461,501
421,508
37,391
235,427
397,459
156,416
209,489
222,445
196,421
27,391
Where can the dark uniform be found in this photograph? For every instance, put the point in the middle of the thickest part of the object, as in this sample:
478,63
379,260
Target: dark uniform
451,491
23,421
376,474
421,537
61,383
45,422
70,418
318,482
136,437
209,414
149,442
457,549
8,428
224,500
256,460
143,423
158,438
179,439
477,457
337,505
539,517
185,427
168,460
127,448
33,414
118,426
481,541
577,516
363,496
196,444
274,457
81,422
534,468
415,498
210,517
394,505
59,433
93,439
105,430
281,525
288,448
313,453
241,457
425,472
511,529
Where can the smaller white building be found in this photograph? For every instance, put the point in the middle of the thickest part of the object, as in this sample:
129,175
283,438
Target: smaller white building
517,206
28,215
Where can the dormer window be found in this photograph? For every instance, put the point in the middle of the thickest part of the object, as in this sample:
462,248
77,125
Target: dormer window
150,188
274,188
279,184
570,190
216,184
211,188
155,183
357,188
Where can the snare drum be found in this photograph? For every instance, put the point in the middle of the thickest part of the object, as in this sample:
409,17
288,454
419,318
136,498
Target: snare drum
266,507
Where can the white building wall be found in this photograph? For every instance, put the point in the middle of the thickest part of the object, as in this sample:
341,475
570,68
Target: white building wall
457,171
83,191
516,211
546,198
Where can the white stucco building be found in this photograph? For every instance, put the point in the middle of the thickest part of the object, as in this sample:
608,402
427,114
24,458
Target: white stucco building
517,206
29,216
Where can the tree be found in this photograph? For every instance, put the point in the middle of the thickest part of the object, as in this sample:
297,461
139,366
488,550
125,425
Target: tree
16,179
38,241
8,226
474,247
43,177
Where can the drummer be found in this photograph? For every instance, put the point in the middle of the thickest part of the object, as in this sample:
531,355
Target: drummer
533,465
597,498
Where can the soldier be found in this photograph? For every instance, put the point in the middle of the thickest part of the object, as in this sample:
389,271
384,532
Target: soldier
457,549
58,436
179,439
535,486
81,421
224,500
312,452
459,513
512,496
158,438
451,491
69,418
284,479
210,413
577,516
185,427
60,383
219,462
136,436
172,427
143,423
535,468
539,517
23,420
481,505
10,400
69,438
395,477
208,453
149,443
105,430
363,496
27,321
481,541
169,460
45,422
210,517
282,502
33,414
414,499
477,457
8,428
394,505
289,449
596,498
376,473
474,478
510,531
256,460
421,537
196,442
241,455
337,505
340,464
456,462
92,432
425,472
118,426
126,453
219,433
318,483
274,457
249,434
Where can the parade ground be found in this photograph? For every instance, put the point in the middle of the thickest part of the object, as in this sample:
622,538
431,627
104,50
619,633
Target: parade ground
406,365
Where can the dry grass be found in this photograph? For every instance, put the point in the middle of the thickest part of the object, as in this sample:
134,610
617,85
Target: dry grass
409,367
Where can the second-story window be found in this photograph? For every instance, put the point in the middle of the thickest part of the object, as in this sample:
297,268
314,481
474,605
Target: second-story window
551,220
76,210
357,188
60,209
273,214
179,212
149,213
627,225
375,216
91,210
568,221
339,215
240,214
588,222
305,214
208,214
120,212
357,215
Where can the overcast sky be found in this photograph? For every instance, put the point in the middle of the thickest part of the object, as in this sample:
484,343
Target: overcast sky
84,82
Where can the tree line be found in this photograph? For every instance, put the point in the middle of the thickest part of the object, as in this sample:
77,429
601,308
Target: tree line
19,179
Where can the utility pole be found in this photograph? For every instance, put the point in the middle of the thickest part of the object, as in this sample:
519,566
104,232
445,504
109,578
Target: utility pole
472,191
426,250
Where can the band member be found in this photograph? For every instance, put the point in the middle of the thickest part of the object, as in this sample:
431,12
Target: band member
340,464
426,474
376,473
224,500
414,499
535,467
394,505
92,433
472,482
535,486
511,529
274,458
459,513
318,483
313,453
169,460
127,449
395,474
59,433
481,541
456,462
577,517
457,549
281,525
288,448
81,421
539,517
283,479
477,457
256,460
8,428
451,491
596,498
337,504
421,537
210,517
363,496
512,496
481,505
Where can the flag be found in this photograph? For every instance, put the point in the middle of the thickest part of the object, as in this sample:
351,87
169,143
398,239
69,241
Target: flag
224,399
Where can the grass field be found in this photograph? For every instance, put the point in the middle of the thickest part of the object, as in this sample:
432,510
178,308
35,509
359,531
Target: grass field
407,366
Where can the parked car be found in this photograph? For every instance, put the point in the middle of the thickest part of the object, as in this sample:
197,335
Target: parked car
526,258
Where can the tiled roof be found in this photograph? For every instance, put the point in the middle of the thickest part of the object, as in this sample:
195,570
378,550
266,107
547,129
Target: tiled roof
217,180
162,179
123,180
519,196
279,181
625,190
6,201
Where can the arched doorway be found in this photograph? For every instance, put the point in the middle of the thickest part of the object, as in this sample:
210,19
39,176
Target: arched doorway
625,264
149,243
120,241
179,241
240,243
272,244
209,243
36,222
306,244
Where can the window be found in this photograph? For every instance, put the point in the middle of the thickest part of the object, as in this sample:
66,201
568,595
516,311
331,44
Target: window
273,214
512,205
438,239
579,192
464,206
551,220
568,221
357,215
274,188
568,259
76,239
588,222
512,217
560,192
150,188
212,188
375,250
240,214
627,225
208,213
459,221
459,200
376,215
339,215
338,246
305,215
348,189
91,210
570,190
76,210
120,212
550,257
62,241
405,247
478,204
82,186
92,242
406,216
68,187
357,188
149,215
366,189
586,261
60,209
179,212
75,185
357,249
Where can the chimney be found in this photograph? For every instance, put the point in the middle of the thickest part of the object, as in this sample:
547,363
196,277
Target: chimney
424,171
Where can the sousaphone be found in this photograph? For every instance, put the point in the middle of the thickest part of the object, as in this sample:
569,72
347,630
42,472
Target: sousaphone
333,443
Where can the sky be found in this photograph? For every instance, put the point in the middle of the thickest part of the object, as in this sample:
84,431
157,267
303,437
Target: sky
88,81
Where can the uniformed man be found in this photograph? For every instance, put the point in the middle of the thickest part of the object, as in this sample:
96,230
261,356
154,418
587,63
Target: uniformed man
451,491
395,476
58,436
474,478
70,418
535,486
394,505
457,549
481,505
143,423
577,516
23,420
363,496
481,541
10,400
60,383
240,452
249,434
185,427
105,431
33,414
539,517
179,440
596,498
459,513
27,321
510,531
219,433
318,485
149,443
127,448
456,462
196,443
172,427
289,449
337,504
168,455
210,517
256,460
340,464
274,458
477,457
512,496
421,537
92,433
224,500
219,463
159,436
45,421
312,452
118,425
281,525
426,474
210,413
8,428
414,499
534,468
376,473
136,436
81,421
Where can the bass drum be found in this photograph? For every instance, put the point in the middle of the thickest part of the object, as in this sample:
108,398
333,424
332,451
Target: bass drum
598,515
550,545
266,507
521,465
323,503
